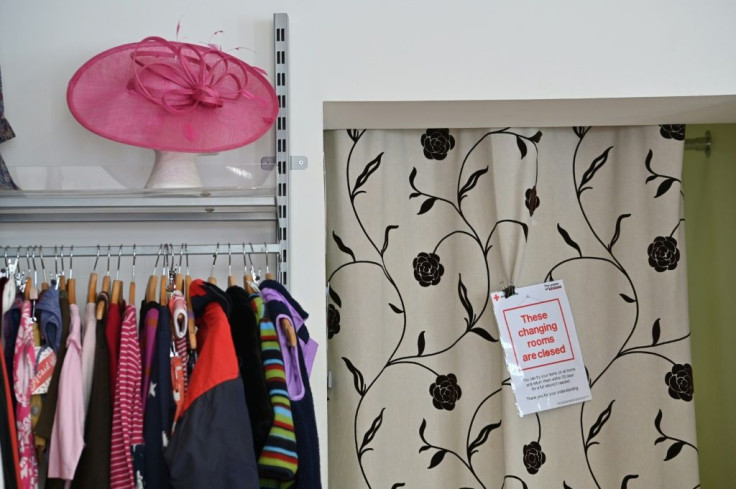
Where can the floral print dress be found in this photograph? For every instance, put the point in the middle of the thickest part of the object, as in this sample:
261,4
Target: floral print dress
23,371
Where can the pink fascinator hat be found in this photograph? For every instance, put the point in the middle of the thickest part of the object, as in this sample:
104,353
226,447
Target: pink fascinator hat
172,97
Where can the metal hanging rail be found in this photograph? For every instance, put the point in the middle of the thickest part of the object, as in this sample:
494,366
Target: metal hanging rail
88,251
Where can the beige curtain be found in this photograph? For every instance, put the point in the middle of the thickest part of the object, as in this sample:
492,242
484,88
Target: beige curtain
424,224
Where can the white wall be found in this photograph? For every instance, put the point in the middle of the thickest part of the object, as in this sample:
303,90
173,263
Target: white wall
344,50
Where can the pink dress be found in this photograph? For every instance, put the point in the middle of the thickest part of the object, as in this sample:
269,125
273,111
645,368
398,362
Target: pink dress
67,435
24,362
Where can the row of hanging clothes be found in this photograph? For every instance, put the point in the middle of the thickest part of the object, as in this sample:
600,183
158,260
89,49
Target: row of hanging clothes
197,386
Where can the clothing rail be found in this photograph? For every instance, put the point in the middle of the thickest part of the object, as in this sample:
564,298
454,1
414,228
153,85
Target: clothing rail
35,252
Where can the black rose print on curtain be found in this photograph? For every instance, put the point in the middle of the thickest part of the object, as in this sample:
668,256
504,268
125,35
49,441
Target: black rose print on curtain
427,269
437,143
673,131
445,392
534,457
663,253
680,382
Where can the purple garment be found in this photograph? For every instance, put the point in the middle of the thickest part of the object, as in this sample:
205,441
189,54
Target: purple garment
148,345
50,318
291,356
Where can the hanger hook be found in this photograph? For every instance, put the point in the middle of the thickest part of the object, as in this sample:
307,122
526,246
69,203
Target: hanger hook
108,260
28,260
214,259
245,264
132,279
43,265
158,257
61,258
6,257
181,254
173,258
71,259
35,271
186,247
265,252
117,272
229,261
165,264
97,258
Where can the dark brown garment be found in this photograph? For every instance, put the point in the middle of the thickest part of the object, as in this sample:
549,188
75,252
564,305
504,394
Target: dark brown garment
46,418
93,471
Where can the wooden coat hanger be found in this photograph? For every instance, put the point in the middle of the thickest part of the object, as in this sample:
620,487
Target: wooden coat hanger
190,317
131,289
164,281
45,283
230,276
269,275
117,286
92,284
61,278
100,312
151,286
251,287
71,285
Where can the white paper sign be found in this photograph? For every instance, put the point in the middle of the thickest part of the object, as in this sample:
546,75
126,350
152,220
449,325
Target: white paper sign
541,347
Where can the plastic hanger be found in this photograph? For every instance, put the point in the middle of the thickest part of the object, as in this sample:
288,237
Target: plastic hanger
117,285
212,278
92,284
71,284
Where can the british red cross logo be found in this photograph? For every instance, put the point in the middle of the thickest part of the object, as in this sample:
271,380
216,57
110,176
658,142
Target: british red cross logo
496,297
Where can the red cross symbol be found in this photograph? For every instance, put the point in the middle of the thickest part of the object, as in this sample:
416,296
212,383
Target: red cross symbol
496,297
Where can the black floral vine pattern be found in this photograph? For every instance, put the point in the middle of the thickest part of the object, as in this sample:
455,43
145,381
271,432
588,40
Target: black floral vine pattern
663,255
444,390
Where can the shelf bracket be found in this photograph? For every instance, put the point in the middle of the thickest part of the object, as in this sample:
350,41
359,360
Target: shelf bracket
295,163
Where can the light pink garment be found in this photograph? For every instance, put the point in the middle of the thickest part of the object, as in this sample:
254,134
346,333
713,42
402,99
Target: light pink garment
67,435
89,343
24,362
127,414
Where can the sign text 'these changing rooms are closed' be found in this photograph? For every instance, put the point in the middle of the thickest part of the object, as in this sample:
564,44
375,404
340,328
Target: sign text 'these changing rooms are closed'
541,347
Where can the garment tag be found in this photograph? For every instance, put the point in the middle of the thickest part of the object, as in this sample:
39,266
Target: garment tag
45,363
541,347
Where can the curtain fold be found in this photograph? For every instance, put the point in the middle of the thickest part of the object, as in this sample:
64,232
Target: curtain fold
424,224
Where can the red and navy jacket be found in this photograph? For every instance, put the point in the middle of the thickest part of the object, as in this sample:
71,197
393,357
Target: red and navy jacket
212,445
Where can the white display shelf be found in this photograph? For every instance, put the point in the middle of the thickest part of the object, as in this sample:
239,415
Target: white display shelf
138,205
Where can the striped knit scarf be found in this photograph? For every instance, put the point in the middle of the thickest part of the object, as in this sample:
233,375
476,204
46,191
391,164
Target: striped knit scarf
277,463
